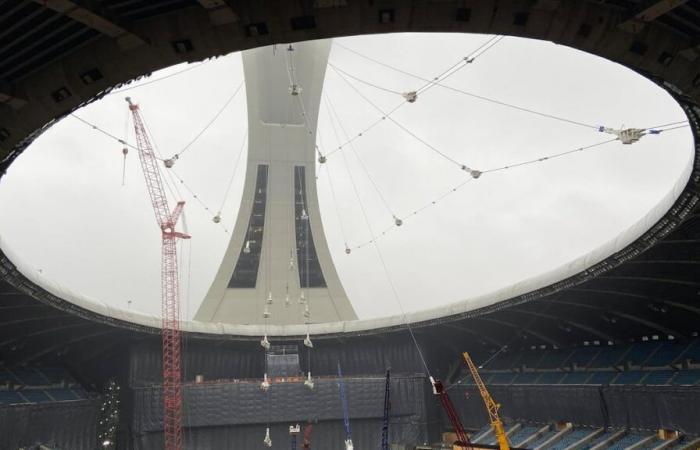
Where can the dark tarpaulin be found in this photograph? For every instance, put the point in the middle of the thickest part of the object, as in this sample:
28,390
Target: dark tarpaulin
65,425
369,356
227,413
646,407
326,435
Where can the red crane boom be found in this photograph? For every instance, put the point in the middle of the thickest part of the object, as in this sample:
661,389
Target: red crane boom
462,438
170,295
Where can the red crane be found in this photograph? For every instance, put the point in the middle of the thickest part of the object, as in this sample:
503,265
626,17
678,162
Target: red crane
169,281
307,436
462,438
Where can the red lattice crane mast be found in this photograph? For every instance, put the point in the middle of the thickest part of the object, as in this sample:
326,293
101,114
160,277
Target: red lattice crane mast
170,296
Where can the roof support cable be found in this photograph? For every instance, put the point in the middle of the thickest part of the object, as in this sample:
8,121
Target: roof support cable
333,113
408,97
297,91
213,119
474,173
127,144
217,217
470,94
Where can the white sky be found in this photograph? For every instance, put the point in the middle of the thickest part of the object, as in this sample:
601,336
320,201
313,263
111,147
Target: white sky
65,212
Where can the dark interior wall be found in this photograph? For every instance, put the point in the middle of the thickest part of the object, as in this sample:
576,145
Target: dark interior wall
235,415
366,434
217,360
644,407
67,425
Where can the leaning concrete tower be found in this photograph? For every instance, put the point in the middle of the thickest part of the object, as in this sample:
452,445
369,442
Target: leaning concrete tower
277,268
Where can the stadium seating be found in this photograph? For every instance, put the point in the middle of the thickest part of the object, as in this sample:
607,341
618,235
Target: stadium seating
526,378
583,356
602,378
550,378
686,377
630,377
576,378
628,440
554,358
38,385
640,352
599,439
502,378
547,435
609,357
481,433
571,438
658,377
520,436
667,354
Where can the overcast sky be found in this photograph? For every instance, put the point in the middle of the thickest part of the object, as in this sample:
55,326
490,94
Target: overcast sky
66,213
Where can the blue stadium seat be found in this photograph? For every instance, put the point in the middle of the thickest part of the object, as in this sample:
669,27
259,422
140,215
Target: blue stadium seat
482,433
542,439
10,397
659,377
502,378
599,439
630,377
571,438
55,375
693,353
36,396
667,354
30,377
504,361
627,440
554,359
526,378
80,392
6,376
602,378
640,352
576,378
550,378
583,356
687,377
522,434
609,356
61,394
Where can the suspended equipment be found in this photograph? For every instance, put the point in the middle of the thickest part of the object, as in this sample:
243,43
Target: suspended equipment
346,414
293,432
170,295
387,411
491,405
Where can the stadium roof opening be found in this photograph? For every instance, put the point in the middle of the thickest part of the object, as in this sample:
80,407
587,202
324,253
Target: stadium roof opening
359,178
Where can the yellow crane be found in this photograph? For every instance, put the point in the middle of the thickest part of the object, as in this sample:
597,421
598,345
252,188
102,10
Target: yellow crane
491,405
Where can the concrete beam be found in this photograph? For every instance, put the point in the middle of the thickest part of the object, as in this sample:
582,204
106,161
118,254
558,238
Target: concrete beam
220,13
648,13
126,39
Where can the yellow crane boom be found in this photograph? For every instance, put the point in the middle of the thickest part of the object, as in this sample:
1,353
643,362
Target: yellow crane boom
491,405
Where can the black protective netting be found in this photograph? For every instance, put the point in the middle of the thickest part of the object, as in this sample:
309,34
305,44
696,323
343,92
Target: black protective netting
66,425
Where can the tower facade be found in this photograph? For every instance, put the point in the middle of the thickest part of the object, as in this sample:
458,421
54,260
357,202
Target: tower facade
277,268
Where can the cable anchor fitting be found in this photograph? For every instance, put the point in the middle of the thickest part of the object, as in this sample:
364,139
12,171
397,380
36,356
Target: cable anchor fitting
410,97
473,172
170,162
626,135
